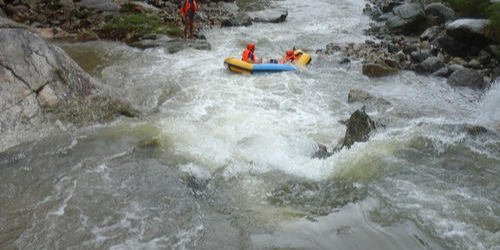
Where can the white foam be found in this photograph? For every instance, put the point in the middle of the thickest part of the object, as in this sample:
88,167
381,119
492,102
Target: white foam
490,107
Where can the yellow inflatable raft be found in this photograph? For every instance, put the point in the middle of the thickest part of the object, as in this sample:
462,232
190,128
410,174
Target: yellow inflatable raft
240,66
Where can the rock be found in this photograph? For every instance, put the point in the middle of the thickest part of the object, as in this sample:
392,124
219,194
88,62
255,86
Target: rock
457,60
406,18
145,7
378,70
443,72
41,84
452,46
67,3
100,5
474,63
151,41
438,9
391,63
47,97
321,153
494,50
469,31
357,95
467,78
454,67
430,33
430,65
238,19
420,55
359,127
176,45
268,16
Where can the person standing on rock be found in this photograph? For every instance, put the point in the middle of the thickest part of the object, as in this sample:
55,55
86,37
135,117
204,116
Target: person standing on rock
188,10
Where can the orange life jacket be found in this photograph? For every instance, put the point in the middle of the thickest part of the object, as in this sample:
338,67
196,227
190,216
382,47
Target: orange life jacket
290,56
184,9
246,55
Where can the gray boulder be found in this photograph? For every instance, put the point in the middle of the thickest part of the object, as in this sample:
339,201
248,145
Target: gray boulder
467,78
407,18
42,86
468,30
438,9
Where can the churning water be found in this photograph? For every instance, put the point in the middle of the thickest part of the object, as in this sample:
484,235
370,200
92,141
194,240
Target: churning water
223,161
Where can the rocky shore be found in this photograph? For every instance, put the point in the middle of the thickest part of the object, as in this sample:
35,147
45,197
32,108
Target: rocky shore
426,37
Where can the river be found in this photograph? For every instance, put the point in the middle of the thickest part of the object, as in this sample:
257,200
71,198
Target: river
223,161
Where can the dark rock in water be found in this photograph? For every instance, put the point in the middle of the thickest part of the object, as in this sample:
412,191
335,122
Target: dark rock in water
322,152
477,130
467,78
359,127
345,61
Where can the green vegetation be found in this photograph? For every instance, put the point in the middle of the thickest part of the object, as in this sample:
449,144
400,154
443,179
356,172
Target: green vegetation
138,24
480,9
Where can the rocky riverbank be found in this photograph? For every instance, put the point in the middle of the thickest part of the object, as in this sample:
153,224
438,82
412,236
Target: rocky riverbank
427,38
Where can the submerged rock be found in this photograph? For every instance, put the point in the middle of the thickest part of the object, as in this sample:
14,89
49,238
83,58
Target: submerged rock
467,78
359,127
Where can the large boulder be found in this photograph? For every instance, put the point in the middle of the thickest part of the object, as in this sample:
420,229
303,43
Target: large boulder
470,31
407,18
359,127
42,86
438,9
